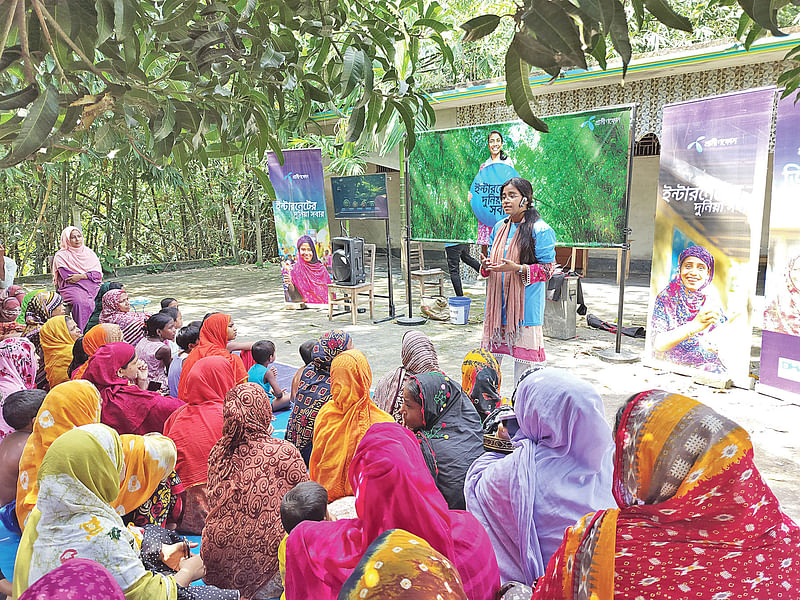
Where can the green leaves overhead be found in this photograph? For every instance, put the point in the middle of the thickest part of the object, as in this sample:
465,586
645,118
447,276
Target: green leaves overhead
518,88
480,27
36,127
184,80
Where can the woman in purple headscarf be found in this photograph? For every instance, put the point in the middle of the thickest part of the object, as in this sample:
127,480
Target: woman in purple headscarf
560,470
309,278
684,314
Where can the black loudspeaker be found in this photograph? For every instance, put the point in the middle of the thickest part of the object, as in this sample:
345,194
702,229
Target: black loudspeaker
348,260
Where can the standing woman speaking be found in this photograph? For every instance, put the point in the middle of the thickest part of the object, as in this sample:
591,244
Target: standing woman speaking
521,260
77,275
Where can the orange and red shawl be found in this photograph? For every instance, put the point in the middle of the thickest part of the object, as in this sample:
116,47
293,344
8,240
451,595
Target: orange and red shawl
248,474
213,341
342,422
197,426
99,335
394,490
696,520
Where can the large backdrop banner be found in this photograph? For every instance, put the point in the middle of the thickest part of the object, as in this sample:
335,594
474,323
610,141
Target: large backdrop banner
579,173
780,337
710,204
301,224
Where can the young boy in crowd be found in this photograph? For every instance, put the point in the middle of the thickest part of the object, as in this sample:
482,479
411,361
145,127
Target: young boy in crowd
19,411
307,501
267,377
305,354
186,339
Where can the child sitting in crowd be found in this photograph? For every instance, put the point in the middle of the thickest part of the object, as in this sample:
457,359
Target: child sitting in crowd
267,377
305,354
169,303
19,411
155,352
186,339
175,313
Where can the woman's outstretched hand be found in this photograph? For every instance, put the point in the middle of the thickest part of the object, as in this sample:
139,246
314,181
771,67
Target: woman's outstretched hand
504,266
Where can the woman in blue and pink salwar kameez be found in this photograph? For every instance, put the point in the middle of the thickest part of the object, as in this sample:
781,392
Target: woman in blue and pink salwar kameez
77,275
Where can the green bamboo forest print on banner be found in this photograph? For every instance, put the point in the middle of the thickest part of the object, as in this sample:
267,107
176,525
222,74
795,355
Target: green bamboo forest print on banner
579,173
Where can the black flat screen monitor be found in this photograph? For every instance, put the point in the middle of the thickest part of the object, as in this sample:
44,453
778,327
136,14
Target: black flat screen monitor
360,197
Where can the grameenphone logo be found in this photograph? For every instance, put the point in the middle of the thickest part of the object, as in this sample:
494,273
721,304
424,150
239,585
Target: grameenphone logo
697,144
702,143
589,123
293,176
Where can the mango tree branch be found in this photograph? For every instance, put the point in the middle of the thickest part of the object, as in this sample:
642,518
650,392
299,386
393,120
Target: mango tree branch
38,10
27,67
7,27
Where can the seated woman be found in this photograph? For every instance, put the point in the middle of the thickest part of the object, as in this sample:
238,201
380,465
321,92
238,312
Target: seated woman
76,578
41,307
195,427
393,490
96,337
560,469
17,371
215,333
480,380
448,430
314,389
79,478
77,275
10,309
402,553
98,301
686,312
57,337
248,474
151,492
117,310
417,356
342,422
65,407
121,379
695,517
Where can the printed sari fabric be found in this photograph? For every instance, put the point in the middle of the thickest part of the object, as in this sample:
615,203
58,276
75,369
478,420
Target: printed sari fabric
97,336
393,490
480,380
451,437
561,468
149,460
78,578
26,300
248,474
126,407
131,322
106,287
314,390
73,518
417,356
696,519
57,343
213,341
17,372
398,562
342,422
67,406
310,278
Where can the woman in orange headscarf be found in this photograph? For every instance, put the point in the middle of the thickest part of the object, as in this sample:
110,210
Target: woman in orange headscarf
57,337
342,422
217,330
99,335
67,406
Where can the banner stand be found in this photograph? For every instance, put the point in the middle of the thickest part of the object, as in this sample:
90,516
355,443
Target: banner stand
410,320
389,272
618,355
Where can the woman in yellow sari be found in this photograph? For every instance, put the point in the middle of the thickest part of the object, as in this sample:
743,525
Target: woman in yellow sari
342,422
73,518
57,337
67,406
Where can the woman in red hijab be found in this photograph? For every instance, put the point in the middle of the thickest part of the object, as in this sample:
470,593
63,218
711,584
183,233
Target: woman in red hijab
115,372
195,427
217,330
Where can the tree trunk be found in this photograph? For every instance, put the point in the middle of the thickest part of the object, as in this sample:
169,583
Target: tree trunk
231,232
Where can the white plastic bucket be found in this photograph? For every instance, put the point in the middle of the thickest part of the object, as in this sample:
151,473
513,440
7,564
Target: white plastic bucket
459,309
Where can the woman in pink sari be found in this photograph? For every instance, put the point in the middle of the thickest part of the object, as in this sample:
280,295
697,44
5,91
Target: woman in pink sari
117,310
77,275
309,278
394,490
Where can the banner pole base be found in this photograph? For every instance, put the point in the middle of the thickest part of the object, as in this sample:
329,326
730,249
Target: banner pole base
411,321
611,355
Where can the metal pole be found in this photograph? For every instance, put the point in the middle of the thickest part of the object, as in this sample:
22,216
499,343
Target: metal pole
389,268
409,320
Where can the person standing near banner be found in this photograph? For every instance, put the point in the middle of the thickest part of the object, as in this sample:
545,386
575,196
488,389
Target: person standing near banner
521,260
684,314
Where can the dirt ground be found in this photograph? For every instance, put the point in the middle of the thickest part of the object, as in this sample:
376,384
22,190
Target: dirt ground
254,297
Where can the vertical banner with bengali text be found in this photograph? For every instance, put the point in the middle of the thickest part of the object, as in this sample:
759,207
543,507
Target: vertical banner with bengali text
780,336
301,224
709,210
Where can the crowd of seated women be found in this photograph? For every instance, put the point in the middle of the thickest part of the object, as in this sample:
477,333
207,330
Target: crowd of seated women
417,484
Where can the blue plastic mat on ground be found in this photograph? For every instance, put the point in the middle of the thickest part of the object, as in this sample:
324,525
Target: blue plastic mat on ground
10,541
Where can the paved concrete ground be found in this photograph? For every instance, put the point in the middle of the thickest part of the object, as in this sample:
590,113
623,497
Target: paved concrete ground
255,299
